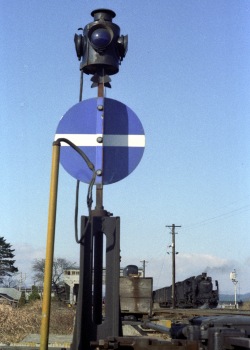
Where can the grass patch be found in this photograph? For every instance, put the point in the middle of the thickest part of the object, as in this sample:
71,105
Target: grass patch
17,323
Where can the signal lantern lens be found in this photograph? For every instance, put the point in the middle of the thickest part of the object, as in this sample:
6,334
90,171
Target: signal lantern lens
100,37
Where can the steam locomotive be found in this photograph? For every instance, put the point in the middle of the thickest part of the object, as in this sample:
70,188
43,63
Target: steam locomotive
194,292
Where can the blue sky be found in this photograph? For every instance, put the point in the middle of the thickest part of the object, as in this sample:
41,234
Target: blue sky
187,77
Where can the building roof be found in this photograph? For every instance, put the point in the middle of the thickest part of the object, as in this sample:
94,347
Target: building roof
10,293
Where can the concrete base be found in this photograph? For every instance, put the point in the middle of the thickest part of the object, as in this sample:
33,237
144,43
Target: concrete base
64,341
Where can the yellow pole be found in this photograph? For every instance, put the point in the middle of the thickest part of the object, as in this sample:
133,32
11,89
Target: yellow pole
50,248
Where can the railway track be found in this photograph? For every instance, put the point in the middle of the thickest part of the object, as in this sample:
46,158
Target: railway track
188,313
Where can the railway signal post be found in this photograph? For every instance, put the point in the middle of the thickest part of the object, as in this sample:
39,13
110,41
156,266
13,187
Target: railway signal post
233,278
101,141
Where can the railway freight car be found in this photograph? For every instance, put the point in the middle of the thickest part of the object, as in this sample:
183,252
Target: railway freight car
135,294
194,292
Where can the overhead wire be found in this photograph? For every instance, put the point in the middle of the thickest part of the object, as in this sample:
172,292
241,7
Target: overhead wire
91,184
223,215
90,188
159,275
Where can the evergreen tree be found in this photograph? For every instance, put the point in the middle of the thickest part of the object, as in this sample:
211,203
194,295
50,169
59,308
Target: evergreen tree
7,267
22,300
34,294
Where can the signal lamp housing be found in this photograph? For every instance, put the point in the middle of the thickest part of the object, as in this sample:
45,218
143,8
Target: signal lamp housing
101,48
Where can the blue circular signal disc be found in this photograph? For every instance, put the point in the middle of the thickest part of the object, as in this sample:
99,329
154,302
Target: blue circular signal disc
108,132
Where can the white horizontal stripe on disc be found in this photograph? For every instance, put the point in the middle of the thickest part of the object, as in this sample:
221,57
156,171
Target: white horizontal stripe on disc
124,140
80,139
108,140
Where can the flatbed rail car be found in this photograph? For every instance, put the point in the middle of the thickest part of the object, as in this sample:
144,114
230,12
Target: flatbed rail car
194,292
135,294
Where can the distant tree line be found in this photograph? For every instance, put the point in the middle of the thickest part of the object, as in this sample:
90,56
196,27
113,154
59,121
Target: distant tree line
8,270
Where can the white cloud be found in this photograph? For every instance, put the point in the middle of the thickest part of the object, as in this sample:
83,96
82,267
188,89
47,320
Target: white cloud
188,265
160,268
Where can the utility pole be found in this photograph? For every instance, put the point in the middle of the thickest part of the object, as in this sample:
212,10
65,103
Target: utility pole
143,267
173,226
21,280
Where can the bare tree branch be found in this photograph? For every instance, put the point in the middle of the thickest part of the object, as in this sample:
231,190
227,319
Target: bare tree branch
59,265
